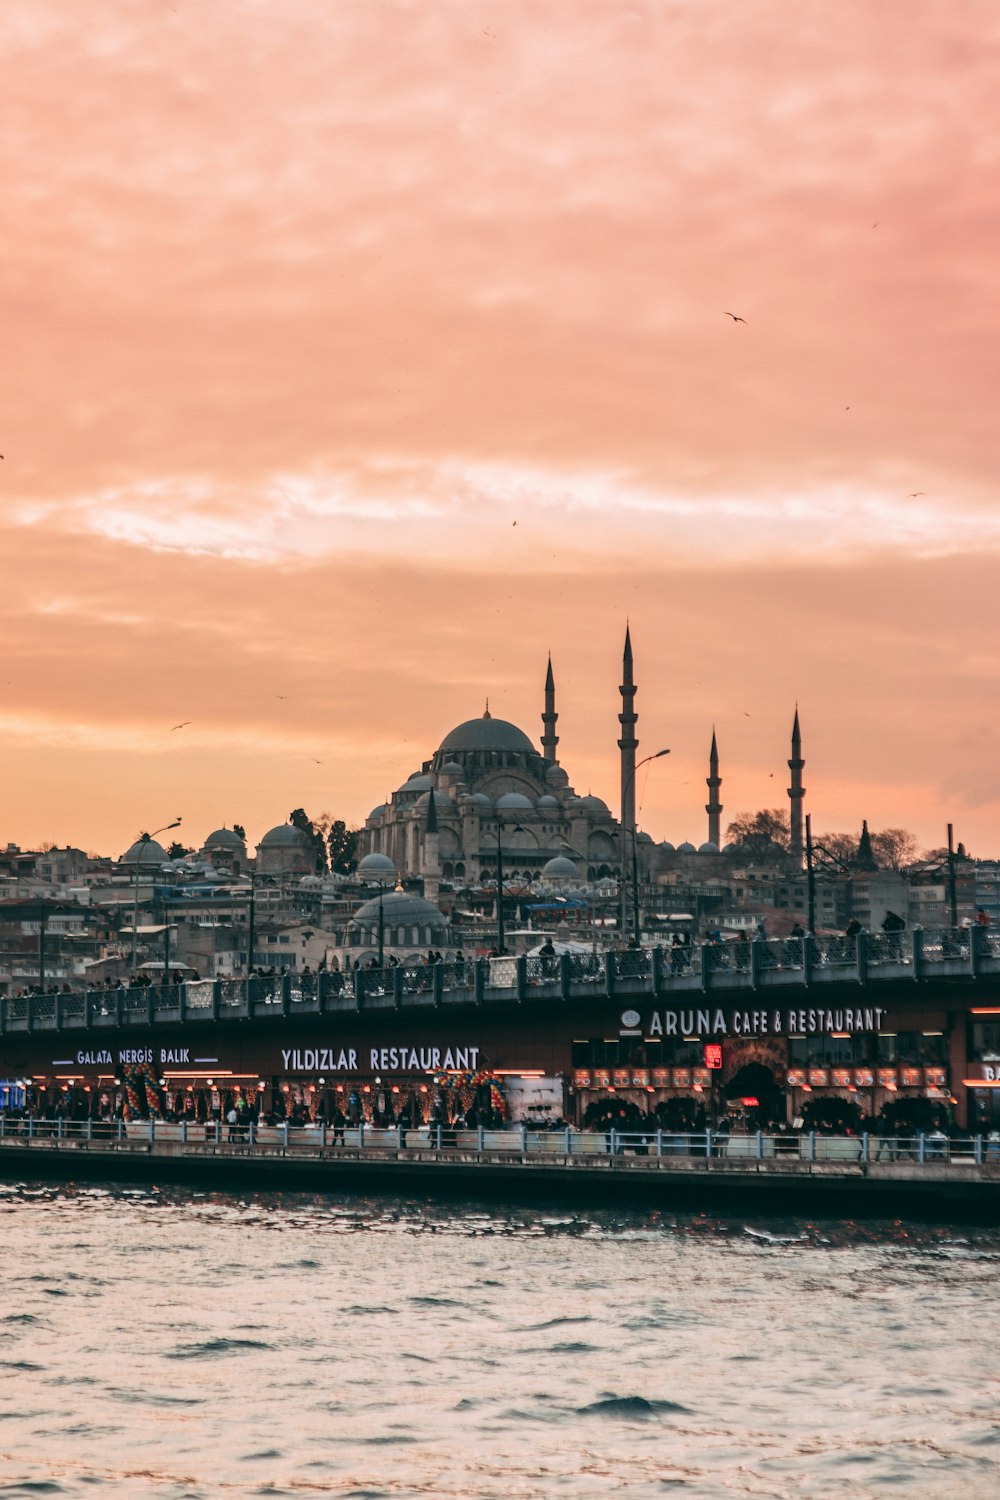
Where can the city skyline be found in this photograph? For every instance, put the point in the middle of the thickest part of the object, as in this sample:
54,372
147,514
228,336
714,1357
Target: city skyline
387,350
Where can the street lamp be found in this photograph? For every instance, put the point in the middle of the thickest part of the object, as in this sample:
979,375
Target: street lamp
629,780
145,839
500,930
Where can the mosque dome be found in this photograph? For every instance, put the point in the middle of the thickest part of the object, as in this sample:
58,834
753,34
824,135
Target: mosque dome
556,776
420,781
225,838
514,802
666,846
487,733
546,802
376,869
595,805
686,848
452,768
377,812
480,800
146,853
285,836
708,847
400,909
643,838
443,804
560,868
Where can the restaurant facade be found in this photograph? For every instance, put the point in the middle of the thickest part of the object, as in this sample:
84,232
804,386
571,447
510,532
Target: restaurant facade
698,1055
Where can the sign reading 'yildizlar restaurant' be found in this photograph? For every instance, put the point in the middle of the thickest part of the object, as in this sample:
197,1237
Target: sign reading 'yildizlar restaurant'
792,1022
400,1059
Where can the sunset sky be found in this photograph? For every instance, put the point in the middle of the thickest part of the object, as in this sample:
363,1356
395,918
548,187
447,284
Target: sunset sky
356,355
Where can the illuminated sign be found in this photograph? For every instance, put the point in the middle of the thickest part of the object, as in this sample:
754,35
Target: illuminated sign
713,1055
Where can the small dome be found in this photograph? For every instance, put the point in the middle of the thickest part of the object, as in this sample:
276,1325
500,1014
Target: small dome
546,802
708,847
377,812
643,838
596,805
556,776
225,838
145,853
515,801
418,782
487,733
480,800
452,768
285,836
443,804
686,848
400,909
560,868
666,846
376,869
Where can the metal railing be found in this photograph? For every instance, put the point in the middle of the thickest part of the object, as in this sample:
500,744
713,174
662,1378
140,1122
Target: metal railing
759,963
651,1144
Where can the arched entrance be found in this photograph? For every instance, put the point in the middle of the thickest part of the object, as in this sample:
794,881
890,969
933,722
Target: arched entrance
756,1081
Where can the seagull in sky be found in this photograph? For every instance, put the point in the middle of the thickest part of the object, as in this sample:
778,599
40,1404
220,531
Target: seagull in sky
318,762
181,726
735,317
282,696
915,494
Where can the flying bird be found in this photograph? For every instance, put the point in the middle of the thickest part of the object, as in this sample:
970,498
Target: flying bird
283,697
915,494
318,762
182,726
735,317
745,714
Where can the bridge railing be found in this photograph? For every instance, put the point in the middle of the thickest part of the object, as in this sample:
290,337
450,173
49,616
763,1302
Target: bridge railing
758,963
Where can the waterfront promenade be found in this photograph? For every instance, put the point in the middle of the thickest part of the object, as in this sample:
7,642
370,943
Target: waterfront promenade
863,1171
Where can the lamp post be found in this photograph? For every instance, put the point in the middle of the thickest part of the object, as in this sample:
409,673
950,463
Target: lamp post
500,928
381,927
623,898
145,839
252,924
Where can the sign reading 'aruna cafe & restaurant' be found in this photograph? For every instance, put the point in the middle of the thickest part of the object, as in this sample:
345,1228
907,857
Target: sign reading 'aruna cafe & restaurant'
770,1022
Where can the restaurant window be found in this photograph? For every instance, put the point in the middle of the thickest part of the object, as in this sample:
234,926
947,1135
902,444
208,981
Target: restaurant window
985,1041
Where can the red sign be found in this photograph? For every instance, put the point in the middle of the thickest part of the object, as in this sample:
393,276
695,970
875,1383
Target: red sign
713,1054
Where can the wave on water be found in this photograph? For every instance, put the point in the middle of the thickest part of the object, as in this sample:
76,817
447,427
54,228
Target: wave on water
767,1238
213,1348
629,1406
556,1323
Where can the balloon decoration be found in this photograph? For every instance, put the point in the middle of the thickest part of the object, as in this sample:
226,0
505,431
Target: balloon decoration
143,1096
465,1083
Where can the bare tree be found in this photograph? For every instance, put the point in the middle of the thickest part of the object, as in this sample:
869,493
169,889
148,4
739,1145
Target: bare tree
759,832
894,848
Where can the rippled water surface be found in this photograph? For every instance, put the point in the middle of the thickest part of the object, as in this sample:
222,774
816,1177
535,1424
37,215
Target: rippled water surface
176,1344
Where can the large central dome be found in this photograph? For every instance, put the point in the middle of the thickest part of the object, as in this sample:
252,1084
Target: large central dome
487,733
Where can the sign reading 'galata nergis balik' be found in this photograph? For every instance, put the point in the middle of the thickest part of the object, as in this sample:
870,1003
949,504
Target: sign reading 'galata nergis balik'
770,1022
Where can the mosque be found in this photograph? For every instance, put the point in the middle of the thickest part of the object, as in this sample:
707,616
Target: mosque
489,796
488,790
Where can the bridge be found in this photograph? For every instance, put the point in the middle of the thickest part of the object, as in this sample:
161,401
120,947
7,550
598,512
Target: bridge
726,970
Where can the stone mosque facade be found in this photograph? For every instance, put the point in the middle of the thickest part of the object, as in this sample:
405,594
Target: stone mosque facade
488,784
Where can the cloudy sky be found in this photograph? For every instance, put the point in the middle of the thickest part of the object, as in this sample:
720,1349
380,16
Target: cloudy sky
357,354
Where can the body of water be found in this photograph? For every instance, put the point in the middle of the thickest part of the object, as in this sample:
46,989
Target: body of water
180,1345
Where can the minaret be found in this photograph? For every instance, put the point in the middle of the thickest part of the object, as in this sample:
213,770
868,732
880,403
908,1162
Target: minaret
796,792
549,737
432,852
628,744
713,806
